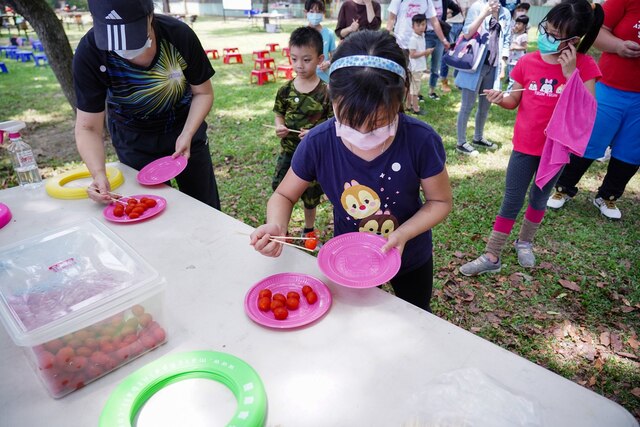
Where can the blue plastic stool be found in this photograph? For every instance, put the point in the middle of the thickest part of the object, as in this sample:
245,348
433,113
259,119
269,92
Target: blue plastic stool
3,68
40,57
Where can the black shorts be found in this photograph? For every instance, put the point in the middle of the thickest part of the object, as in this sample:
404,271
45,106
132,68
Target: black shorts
138,149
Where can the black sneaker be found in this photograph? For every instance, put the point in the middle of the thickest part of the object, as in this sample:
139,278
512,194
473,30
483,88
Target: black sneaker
434,96
483,143
467,149
420,98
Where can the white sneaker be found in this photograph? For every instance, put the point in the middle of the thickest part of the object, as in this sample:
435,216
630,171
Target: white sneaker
608,208
557,200
607,155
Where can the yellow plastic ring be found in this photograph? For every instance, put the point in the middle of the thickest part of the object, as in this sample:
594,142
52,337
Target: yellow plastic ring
55,186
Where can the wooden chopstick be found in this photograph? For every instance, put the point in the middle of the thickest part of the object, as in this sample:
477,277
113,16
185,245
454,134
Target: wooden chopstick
291,244
273,127
276,239
507,91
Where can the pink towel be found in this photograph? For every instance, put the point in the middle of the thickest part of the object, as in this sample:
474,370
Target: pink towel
568,130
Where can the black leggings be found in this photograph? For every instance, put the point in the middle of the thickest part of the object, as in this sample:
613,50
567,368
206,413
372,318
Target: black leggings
415,286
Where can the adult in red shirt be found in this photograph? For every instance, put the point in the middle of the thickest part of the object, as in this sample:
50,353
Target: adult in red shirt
358,15
618,120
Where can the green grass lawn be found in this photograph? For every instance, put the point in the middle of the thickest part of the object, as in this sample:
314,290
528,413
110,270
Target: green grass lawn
588,335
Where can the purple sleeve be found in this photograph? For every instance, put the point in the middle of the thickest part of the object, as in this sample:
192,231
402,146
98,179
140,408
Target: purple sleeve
432,157
304,159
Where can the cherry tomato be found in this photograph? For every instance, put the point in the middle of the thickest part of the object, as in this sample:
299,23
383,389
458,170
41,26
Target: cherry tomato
46,360
128,210
306,289
311,297
99,358
265,293
54,345
134,215
84,351
293,303
118,212
276,303
264,304
64,356
138,209
280,297
147,340
150,203
137,310
280,313
160,335
132,201
145,319
311,243
293,294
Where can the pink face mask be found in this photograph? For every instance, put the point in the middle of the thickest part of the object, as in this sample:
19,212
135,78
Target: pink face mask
366,141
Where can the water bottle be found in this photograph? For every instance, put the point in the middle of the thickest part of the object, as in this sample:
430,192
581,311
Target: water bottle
22,157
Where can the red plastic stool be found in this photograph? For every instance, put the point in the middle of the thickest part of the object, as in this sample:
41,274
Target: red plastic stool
229,56
286,52
213,52
286,69
272,46
262,76
230,50
261,54
261,63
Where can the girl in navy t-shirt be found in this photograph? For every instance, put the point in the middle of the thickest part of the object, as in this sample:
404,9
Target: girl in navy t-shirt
371,161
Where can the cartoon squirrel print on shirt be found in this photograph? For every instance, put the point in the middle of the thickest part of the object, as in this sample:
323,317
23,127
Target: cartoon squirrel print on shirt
382,224
547,85
358,200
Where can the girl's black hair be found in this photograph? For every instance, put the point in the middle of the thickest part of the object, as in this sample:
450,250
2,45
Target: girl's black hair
307,36
577,18
365,94
308,5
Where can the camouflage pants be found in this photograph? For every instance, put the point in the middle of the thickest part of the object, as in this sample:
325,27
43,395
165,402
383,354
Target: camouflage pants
311,196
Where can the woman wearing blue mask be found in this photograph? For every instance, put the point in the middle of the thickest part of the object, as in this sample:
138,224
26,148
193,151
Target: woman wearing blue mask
152,74
315,12
372,162
565,35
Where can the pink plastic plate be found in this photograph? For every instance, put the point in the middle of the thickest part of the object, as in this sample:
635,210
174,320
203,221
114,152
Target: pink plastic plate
161,170
355,260
283,283
159,207
5,215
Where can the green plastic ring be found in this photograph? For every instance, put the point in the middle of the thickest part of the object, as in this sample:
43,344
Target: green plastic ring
135,390
55,185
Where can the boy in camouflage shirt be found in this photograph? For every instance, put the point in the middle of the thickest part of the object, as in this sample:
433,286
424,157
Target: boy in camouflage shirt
301,104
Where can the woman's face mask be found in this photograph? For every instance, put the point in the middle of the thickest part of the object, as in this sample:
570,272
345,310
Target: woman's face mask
366,141
314,18
131,54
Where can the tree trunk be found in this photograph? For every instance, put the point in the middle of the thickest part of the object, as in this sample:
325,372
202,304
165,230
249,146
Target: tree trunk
54,40
265,9
166,6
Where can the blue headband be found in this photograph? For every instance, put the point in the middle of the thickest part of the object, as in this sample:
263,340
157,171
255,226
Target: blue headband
368,61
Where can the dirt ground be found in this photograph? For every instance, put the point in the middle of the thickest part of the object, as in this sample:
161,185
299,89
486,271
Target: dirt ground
54,145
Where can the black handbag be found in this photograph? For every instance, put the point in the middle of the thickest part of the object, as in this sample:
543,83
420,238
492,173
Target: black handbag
446,28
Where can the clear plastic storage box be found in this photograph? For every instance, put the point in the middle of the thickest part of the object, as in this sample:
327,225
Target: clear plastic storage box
81,303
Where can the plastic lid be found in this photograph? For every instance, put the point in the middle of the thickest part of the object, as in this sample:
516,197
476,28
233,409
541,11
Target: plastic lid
69,278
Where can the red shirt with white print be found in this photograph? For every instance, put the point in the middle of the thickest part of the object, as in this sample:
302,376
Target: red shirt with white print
543,84
623,18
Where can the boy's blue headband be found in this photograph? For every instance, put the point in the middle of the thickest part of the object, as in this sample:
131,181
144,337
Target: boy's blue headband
368,61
